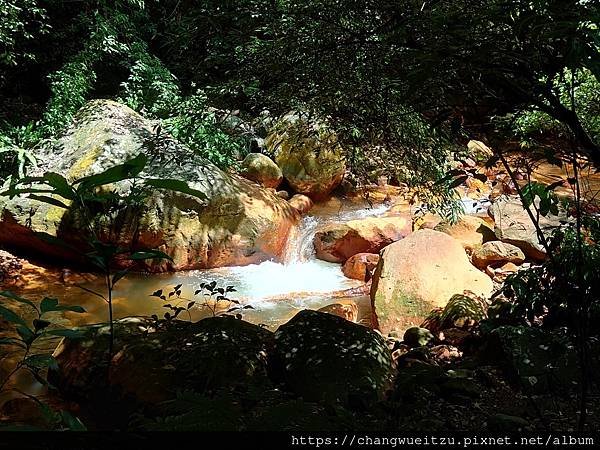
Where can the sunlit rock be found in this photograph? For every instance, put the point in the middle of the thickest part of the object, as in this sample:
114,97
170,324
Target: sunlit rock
345,309
496,253
309,155
470,231
240,222
301,203
261,169
419,273
360,266
338,242
513,225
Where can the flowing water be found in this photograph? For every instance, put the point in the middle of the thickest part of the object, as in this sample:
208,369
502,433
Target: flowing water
274,290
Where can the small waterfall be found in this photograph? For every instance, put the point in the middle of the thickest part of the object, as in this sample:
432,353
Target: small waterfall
299,247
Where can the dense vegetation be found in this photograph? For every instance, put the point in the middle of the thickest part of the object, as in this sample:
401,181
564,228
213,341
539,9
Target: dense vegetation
404,85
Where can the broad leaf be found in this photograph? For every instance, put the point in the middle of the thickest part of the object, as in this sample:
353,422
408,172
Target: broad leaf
60,184
41,362
114,174
11,316
17,298
72,422
51,304
49,200
175,185
149,254
68,333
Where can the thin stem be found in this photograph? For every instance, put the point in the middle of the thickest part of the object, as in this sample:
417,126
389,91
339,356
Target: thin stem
582,310
110,320
16,368
536,224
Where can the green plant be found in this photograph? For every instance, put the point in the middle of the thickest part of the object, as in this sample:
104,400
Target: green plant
20,23
21,344
211,298
194,124
95,205
29,332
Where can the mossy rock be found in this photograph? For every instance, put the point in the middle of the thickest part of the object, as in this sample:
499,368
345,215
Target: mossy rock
309,155
237,223
417,337
150,366
262,170
322,357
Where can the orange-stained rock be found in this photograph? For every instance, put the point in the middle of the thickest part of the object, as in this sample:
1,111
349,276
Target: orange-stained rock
346,309
231,222
301,203
419,273
360,266
509,267
338,242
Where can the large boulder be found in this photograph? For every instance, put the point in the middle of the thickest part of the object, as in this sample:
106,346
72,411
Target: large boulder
149,366
339,241
262,170
322,357
513,225
309,155
419,273
239,223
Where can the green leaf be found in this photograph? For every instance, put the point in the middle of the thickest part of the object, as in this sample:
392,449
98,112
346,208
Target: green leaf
27,335
49,200
72,422
68,333
60,184
149,254
74,308
41,362
12,341
16,298
51,304
175,185
458,181
119,275
121,172
48,304
11,316
554,185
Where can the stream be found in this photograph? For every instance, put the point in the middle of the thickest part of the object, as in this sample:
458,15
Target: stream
276,291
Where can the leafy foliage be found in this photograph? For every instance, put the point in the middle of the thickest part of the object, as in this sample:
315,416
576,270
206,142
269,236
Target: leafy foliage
95,204
212,297
553,293
29,332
